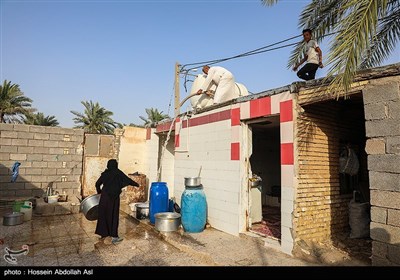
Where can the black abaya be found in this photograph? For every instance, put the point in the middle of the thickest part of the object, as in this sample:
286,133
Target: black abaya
113,180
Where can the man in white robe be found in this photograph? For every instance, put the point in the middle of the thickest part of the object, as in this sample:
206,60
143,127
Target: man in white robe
224,81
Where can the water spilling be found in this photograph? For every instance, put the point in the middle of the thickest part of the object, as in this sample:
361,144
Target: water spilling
164,146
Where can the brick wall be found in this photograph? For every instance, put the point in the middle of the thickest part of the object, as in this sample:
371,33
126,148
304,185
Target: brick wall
47,155
320,210
382,114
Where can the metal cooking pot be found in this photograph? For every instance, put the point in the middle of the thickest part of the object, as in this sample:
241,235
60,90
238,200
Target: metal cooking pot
13,219
192,181
142,211
89,207
167,221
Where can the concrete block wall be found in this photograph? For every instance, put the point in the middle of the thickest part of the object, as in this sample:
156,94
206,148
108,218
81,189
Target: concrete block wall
382,114
47,155
205,141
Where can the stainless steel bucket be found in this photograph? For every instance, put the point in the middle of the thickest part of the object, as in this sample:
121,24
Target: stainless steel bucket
89,207
142,211
167,221
13,219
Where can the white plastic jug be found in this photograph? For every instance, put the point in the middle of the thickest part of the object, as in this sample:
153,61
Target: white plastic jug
27,210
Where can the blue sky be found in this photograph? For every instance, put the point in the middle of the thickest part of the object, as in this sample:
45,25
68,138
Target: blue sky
122,54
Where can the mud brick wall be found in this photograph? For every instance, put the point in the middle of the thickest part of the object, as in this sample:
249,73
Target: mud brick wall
382,114
320,210
48,155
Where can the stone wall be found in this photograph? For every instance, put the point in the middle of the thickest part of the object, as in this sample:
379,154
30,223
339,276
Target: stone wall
48,155
382,114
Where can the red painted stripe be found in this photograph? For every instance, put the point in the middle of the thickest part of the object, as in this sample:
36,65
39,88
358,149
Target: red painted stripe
235,151
215,117
286,110
287,157
235,116
165,127
177,142
260,107
148,133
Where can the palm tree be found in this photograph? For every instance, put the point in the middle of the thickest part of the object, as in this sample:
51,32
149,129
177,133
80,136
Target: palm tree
41,119
153,117
366,32
14,105
95,119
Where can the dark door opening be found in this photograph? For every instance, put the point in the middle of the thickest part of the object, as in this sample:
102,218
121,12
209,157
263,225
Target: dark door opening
265,208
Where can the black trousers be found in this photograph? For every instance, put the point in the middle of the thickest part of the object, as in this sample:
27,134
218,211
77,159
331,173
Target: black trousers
307,72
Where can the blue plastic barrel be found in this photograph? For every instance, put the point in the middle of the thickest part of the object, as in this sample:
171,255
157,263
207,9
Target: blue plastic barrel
158,199
193,209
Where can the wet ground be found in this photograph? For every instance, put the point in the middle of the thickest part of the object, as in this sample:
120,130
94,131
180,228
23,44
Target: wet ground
69,240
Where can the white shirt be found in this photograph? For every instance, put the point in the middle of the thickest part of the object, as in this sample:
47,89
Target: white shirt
312,54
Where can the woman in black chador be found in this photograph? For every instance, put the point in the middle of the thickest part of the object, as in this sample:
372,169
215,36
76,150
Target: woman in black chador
113,180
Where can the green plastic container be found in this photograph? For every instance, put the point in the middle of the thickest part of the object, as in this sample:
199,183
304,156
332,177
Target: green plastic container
17,205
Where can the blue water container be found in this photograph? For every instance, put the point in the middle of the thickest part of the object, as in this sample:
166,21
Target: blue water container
158,199
193,206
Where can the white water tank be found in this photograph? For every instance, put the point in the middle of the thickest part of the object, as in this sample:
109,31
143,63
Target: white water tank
203,100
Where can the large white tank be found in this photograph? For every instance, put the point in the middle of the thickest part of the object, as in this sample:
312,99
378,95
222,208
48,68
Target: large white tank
203,100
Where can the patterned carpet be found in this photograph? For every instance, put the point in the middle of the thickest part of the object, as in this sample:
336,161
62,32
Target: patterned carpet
271,223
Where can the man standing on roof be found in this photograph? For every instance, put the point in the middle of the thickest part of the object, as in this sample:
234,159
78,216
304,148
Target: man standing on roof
313,56
224,81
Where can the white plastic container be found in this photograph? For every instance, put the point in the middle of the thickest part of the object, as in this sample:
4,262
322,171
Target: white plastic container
27,210
52,198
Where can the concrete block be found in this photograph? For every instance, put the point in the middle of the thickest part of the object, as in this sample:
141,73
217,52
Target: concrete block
385,199
6,126
393,217
375,146
37,129
41,150
384,181
41,136
56,137
35,143
25,135
393,145
379,215
4,156
8,134
377,261
384,163
6,141
18,157
394,109
21,127
375,111
381,93
25,150
287,206
287,247
287,220
385,127
385,233
50,144
34,157
8,149
379,249
394,253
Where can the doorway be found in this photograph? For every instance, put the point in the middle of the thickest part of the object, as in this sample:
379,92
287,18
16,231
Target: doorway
265,177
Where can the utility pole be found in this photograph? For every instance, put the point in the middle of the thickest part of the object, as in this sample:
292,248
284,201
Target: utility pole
177,94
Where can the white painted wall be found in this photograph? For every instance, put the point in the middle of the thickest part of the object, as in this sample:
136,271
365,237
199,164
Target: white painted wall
209,146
